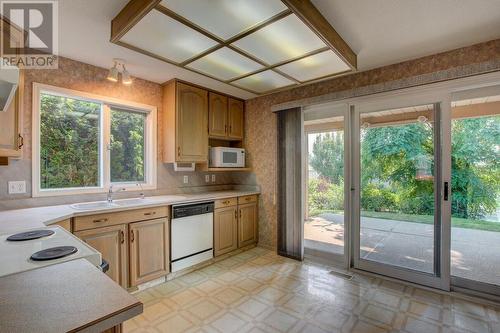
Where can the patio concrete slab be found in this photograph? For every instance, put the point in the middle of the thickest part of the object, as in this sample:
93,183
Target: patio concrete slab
475,254
404,250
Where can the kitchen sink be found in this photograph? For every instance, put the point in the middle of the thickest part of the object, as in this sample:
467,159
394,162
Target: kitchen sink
145,201
130,202
94,205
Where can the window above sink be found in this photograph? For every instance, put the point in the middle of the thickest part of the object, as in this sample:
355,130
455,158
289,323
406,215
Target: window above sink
83,143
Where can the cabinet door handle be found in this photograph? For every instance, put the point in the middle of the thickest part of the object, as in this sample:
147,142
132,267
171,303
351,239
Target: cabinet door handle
225,128
131,236
149,213
179,151
122,237
225,202
20,141
100,220
230,128
240,213
235,213
248,198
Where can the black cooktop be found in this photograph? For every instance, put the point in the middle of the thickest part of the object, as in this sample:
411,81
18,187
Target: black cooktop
53,253
28,235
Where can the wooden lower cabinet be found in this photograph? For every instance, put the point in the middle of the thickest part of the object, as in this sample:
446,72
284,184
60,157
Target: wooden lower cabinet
247,224
111,242
66,224
225,230
149,250
115,329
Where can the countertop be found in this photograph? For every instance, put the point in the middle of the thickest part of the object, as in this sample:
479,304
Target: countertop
29,218
67,297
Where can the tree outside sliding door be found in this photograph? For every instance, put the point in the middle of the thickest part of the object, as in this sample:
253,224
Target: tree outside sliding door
397,187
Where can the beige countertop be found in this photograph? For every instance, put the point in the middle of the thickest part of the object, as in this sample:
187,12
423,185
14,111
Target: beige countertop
51,299
29,218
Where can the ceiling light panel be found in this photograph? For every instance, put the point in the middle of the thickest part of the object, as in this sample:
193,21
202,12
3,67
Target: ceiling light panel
263,81
167,38
225,64
225,18
315,66
282,40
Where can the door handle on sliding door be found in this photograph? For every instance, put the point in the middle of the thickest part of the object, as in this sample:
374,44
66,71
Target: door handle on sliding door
446,191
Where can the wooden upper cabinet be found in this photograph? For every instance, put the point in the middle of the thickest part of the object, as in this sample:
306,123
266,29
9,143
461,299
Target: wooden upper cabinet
185,129
217,115
111,242
236,119
11,140
149,250
192,114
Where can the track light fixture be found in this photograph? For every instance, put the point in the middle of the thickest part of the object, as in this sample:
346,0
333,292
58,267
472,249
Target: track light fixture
126,79
115,70
113,74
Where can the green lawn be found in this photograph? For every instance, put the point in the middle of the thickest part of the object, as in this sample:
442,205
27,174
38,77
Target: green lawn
456,222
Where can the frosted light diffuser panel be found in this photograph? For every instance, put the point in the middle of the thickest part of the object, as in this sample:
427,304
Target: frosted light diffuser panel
263,81
225,64
225,18
315,66
282,40
159,34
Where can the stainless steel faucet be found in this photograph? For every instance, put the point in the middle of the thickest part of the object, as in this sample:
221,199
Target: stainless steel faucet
110,192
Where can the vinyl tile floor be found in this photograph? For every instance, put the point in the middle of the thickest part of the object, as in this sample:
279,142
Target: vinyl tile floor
259,291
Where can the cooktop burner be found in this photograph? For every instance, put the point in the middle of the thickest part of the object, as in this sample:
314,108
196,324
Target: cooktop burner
53,253
28,235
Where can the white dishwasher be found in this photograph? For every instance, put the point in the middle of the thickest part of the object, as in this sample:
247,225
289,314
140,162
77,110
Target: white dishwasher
192,235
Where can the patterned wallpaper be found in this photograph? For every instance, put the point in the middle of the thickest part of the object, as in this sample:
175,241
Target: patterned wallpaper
260,136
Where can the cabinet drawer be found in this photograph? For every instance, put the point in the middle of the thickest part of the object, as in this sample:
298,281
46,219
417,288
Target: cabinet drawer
106,219
247,199
225,202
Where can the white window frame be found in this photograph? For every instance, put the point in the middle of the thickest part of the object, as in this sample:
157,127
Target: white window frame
150,131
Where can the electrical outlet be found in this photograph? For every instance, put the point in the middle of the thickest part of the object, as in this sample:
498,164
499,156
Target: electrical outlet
186,179
213,178
16,187
207,178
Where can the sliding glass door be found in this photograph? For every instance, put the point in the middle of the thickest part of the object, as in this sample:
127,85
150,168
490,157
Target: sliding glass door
397,191
407,184
325,220
475,183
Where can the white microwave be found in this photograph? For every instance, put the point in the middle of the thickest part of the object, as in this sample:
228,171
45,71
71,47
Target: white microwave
225,157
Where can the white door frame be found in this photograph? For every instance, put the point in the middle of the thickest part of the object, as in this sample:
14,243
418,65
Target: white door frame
443,92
